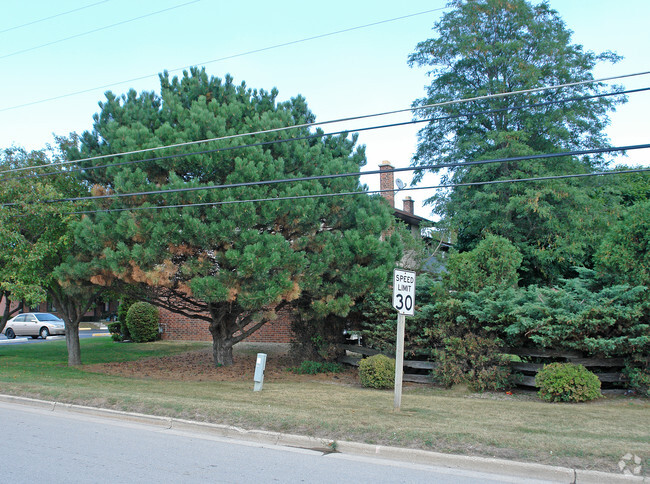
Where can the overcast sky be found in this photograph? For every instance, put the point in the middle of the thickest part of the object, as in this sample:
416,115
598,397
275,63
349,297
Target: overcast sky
350,73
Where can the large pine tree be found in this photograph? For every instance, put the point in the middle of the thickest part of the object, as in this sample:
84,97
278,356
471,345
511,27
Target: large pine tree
224,257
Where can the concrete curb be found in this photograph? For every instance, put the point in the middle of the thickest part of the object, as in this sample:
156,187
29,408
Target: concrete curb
413,456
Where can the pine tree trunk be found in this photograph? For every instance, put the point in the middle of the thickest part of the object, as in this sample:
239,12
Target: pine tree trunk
222,328
222,352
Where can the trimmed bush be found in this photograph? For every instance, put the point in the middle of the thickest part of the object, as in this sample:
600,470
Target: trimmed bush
377,372
142,322
567,382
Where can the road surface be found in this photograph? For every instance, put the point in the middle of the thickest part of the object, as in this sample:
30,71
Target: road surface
66,447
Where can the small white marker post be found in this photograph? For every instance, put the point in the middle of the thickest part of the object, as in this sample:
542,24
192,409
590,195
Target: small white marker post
258,378
404,302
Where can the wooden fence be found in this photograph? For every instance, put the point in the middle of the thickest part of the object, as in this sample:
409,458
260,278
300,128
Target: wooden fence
608,370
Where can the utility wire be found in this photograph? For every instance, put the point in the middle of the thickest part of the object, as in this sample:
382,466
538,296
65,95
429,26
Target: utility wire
370,192
342,175
51,17
96,30
322,123
241,54
308,137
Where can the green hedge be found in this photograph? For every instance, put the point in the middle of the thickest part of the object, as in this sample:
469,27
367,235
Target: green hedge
142,321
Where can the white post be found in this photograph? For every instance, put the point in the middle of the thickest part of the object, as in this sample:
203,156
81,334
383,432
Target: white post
399,362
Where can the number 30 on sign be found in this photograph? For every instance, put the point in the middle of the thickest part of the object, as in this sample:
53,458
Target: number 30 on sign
404,291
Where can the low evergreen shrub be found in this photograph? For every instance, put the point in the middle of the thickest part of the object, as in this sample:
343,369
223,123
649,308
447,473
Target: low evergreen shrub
567,382
116,331
142,321
315,367
122,311
378,371
473,360
638,380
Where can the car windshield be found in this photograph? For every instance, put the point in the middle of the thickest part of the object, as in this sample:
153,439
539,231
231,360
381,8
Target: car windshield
46,317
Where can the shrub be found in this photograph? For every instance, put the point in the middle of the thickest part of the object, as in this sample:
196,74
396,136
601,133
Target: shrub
122,311
142,322
473,360
377,372
315,367
116,331
638,380
566,382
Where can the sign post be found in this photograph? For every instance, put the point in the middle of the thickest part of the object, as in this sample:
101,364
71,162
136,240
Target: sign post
404,302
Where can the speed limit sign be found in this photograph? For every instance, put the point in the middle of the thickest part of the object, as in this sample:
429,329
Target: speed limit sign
404,291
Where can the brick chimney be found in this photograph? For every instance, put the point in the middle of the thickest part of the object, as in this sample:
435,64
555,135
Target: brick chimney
387,182
409,205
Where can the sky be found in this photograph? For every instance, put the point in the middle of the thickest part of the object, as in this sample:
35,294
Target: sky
119,45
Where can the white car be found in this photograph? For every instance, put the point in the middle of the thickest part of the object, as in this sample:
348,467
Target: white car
34,325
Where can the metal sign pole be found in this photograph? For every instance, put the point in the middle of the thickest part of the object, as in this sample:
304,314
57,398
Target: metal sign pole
399,362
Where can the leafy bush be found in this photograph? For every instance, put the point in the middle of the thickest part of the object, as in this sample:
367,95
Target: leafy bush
473,360
566,382
315,367
116,331
638,380
378,371
122,311
142,322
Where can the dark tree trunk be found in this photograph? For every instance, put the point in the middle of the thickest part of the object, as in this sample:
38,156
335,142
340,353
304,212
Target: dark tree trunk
222,328
222,352
72,342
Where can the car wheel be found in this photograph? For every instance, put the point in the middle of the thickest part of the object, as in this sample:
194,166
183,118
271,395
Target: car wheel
44,333
9,333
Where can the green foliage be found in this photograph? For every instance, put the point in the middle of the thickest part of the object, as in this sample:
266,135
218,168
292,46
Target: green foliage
638,374
566,382
116,331
577,314
376,319
473,360
494,262
239,262
122,311
377,371
142,320
316,367
477,50
624,255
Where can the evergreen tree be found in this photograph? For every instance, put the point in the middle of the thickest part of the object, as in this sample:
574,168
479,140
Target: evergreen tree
221,257
486,47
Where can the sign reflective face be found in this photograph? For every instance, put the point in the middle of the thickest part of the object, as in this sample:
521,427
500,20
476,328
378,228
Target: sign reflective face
404,291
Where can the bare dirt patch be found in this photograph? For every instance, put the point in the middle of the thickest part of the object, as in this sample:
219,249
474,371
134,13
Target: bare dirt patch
199,366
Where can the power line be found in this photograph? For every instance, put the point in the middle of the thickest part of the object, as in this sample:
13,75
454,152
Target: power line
241,54
322,123
343,175
96,30
312,136
51,17
370,192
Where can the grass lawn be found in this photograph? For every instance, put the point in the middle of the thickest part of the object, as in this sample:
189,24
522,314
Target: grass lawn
591,435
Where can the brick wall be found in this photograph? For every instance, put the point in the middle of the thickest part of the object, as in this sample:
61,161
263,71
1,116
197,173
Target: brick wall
177,327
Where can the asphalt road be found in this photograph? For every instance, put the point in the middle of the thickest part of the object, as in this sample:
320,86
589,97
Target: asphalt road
66,447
